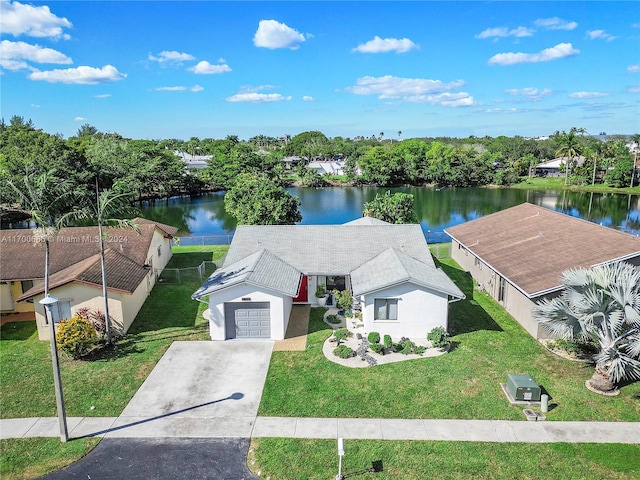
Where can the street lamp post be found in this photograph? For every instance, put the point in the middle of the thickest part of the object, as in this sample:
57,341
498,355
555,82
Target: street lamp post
48,303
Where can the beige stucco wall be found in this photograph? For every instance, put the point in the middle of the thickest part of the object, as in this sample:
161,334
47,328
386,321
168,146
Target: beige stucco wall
419,311
158,261
15,290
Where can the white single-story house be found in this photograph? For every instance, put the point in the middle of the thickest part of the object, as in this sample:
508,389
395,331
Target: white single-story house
387,268
551,168
518,255
133,262
328,167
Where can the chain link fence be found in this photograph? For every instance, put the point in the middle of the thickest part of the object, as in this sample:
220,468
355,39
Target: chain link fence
202,240
187,274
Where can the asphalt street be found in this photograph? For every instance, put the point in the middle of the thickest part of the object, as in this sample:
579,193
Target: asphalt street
161,459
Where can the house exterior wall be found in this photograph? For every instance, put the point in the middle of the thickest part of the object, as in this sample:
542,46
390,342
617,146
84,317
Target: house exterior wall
419,311
159,262
516,303
131,304
80,296
280,307
15,290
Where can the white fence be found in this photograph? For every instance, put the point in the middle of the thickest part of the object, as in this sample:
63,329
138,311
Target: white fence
187,274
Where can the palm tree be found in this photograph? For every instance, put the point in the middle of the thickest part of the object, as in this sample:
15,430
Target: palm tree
399,134
569,147
635,139
108,202
44,197
600,304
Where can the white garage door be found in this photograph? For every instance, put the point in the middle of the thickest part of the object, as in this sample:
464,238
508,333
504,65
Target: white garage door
248,320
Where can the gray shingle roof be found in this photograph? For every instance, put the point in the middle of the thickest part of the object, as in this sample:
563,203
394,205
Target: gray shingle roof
262,269
367,221
392,267
328,249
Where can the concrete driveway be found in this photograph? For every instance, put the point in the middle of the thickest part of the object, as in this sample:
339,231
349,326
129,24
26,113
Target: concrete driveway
199,389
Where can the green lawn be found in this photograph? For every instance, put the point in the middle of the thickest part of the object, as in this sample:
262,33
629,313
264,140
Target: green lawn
487,344
557,183
289,459
107,381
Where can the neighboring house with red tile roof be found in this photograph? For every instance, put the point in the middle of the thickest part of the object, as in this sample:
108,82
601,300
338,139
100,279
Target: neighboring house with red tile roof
133,261
519,254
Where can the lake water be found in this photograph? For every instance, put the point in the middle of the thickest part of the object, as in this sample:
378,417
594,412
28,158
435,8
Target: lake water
436,209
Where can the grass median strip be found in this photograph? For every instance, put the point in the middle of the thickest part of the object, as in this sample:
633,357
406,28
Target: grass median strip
289,459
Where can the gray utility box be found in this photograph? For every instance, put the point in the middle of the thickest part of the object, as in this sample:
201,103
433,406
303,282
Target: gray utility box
522,388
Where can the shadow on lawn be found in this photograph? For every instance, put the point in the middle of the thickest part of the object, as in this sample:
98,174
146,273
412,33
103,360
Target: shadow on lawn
466,315
18,330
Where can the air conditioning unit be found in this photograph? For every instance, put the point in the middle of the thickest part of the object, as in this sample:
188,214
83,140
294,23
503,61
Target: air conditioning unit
522,388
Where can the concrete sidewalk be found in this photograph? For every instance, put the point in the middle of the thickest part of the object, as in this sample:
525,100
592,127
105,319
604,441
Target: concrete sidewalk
329,428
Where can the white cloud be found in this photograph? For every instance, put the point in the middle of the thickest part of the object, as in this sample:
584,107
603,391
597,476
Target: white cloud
501,110
35,105
600,35
195,88
384,45
79,119
273,34
14,54
530,93
555,23
102,95
254,97
20,19
81,75
559,51
307,98
588,95
412,90
171,56
633,68
634,89
206,68
501,32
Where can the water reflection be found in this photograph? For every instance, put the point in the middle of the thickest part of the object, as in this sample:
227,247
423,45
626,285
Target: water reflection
436,209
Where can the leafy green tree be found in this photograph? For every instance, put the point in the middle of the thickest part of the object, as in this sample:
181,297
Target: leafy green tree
396,208
620,175
600,304
255,199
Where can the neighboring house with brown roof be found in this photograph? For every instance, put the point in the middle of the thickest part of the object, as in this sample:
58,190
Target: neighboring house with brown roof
519,254
133,261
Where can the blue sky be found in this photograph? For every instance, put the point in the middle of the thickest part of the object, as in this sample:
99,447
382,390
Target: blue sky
162,69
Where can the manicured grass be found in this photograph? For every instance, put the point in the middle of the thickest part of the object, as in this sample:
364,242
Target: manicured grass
33,457
287,459
108,379
487,344
557,183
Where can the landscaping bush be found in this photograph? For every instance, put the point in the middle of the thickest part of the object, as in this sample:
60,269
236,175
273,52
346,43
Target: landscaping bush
407,347
438,337
343,351
419,349
376,347
76,336
333,319
387,341
342,334
344,300
374,337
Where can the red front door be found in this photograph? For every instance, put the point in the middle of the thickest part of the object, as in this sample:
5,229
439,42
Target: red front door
302,295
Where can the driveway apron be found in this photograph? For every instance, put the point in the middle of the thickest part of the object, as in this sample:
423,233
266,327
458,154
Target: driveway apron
199,389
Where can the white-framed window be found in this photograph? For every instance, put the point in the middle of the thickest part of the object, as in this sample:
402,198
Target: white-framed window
385,309
61,310
159,251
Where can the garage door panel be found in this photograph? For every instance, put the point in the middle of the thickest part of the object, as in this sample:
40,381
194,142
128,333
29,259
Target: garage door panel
248,320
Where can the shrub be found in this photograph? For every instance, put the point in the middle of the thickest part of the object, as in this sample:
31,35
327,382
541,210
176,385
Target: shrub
387,341
76,336
374,337
342,334
344,300
376,347
343,351
407,347
438,337
321,291
333,319
419,349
